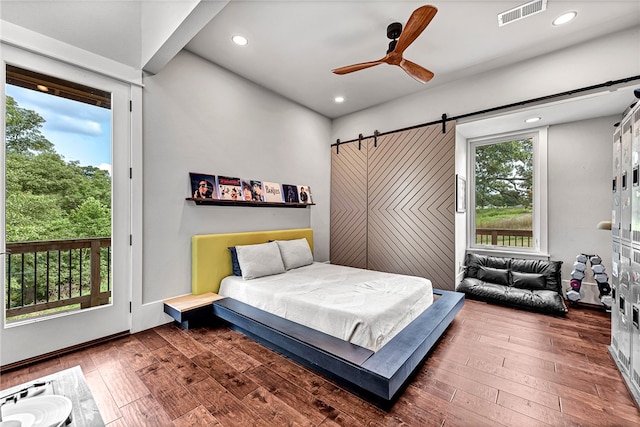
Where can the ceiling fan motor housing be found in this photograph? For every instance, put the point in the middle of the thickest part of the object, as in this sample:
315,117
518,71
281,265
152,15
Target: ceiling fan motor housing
393,30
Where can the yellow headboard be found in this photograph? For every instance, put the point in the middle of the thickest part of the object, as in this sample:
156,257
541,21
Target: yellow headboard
211,259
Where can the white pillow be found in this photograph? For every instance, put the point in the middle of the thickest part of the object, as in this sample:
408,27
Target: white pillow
259,260
295,253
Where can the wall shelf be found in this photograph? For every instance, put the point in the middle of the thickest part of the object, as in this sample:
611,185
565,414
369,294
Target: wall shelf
214,202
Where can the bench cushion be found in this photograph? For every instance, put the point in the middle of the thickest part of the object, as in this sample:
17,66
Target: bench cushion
528,280
539,300
495,275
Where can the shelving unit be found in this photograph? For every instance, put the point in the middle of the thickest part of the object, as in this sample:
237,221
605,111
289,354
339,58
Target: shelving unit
215,202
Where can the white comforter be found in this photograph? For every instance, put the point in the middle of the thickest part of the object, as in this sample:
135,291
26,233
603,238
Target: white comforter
364,307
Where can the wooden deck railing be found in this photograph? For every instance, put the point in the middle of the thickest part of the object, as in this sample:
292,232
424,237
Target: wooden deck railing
46,275
504,237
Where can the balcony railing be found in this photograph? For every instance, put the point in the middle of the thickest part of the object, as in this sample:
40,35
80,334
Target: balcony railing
57,275
504,237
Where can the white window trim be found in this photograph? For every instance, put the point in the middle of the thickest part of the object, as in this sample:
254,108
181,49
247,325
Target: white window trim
14,36
540,195
65,55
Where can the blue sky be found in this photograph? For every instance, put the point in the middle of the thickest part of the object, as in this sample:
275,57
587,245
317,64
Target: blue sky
79,131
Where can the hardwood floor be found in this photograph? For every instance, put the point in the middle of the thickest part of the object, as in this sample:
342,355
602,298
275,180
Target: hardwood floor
494,366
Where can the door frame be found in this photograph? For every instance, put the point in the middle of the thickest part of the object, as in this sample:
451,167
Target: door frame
64,56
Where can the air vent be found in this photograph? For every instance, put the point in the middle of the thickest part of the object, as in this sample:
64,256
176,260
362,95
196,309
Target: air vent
521,12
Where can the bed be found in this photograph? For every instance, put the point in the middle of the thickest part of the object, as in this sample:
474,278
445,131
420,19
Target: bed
373,364
363,307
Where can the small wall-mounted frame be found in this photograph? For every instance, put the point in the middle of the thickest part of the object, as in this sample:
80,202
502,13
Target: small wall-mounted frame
203,186
461,194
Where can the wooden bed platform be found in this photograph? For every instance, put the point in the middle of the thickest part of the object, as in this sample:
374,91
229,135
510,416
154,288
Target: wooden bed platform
379,377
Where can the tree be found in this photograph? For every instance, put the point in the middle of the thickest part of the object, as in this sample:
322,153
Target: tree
48,198
35,217
23,133
48,173
91,219
504,174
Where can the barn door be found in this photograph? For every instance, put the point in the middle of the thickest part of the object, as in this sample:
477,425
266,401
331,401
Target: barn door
393,204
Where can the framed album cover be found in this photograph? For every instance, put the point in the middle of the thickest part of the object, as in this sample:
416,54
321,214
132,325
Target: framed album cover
203,186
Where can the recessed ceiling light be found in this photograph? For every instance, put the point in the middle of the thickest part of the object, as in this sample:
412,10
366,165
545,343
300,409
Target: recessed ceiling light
43,88
533,119
240,40
564,18
338,99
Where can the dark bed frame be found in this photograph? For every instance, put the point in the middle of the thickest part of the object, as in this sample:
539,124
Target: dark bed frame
378,377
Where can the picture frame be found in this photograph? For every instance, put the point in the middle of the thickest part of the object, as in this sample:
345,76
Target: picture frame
290,193
461,194
229,188
257,191
206,182
273,192
304,194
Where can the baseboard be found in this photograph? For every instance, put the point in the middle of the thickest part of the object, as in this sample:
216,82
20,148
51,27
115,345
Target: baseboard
149,316
53,354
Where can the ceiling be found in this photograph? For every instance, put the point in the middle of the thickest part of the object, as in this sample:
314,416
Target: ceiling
294,44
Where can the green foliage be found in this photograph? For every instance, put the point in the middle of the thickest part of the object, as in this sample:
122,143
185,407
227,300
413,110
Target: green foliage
34,217
519,218
48,198
508,223
23,133
504,174
91,219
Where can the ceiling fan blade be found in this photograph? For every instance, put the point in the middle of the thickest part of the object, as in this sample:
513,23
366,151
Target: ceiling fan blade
357,67
416,71
418,21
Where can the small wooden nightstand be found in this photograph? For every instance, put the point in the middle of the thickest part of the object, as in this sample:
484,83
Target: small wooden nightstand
191,308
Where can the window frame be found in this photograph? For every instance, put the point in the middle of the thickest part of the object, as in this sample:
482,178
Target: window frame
540,193
126,214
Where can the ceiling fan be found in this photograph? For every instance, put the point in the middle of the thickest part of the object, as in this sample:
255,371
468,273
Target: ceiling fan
400,40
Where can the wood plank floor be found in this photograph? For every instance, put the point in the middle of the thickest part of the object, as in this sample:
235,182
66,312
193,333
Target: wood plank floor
494,366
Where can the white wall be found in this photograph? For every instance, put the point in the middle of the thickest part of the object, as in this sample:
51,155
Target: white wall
199,117
580,171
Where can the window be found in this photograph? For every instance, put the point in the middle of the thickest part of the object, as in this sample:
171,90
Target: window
58,195
508,192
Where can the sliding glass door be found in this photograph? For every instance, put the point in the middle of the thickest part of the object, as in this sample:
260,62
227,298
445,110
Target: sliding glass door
66,223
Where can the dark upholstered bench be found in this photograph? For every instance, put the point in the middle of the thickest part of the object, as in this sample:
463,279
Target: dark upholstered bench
530,284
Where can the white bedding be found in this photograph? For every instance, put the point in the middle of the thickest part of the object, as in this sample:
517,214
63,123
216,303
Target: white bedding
364,307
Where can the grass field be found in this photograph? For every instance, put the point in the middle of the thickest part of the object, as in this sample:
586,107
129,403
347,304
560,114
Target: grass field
505,218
